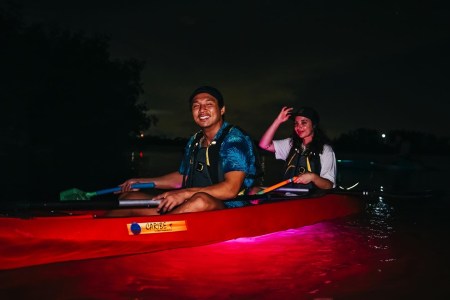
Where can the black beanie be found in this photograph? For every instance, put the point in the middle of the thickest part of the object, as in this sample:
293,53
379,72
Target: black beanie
209,90
307,112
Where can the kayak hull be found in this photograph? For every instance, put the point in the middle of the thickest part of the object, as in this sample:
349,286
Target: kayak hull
41,240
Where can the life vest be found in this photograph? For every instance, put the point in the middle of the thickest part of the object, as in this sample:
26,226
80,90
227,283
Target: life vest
300,161
211,167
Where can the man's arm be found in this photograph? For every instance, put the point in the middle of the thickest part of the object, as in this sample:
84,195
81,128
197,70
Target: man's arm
235,165
172,180
227,189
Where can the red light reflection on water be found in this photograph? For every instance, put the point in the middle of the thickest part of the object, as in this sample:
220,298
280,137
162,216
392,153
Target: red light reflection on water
305,263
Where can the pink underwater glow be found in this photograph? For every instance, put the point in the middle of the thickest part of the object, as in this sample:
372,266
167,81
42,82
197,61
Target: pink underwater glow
305,263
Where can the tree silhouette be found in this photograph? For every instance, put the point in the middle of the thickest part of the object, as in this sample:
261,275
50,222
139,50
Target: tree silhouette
67,109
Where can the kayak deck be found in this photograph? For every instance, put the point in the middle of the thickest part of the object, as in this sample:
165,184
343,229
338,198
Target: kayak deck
26,241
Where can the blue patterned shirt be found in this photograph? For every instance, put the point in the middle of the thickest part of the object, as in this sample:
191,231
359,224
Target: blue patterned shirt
236,154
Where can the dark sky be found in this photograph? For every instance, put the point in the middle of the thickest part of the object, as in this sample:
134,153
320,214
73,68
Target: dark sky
362,64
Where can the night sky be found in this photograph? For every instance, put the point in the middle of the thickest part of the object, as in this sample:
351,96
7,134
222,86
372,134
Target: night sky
362,64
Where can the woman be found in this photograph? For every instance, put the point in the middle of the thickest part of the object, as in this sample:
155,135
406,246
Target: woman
307,153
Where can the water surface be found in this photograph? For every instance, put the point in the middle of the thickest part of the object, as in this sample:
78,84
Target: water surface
396,249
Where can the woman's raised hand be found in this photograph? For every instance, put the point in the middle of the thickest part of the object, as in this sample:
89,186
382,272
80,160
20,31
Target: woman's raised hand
284,114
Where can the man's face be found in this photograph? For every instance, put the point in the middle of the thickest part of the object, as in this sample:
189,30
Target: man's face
206,111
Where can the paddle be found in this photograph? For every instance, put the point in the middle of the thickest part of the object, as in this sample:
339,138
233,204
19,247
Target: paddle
69,205
303,193
276,186
76,194
18,208
151,202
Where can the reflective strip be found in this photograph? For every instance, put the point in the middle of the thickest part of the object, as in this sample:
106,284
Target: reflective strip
308,166
156,227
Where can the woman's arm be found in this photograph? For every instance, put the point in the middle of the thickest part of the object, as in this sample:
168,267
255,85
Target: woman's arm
267,138
320,182
327,178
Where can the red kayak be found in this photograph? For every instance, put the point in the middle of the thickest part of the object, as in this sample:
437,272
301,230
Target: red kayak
84,235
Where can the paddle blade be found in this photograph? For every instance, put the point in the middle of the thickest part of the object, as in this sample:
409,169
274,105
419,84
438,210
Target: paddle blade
73,194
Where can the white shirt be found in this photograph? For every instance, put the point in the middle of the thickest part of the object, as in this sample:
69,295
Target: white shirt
327,158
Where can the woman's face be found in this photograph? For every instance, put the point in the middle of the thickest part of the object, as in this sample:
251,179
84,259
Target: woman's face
304,129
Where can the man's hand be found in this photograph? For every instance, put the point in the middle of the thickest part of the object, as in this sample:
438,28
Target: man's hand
170,200
126,186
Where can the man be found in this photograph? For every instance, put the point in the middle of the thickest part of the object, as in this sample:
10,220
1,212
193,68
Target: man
218,163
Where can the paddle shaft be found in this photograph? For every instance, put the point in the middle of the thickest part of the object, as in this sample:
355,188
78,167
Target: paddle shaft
92,205
118,189
275,186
